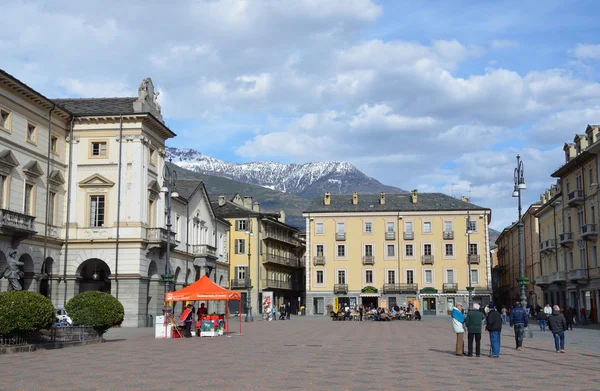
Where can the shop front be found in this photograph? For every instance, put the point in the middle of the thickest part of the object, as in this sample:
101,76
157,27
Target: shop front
369,297
429,297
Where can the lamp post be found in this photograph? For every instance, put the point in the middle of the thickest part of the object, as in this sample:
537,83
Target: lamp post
470,287
522,279
249,317
168,188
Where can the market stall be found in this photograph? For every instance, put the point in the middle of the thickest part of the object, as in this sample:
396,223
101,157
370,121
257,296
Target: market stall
203,290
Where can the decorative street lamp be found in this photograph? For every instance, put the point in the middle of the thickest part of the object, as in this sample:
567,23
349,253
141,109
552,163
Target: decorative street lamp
522,280
468,234
169,179
249,317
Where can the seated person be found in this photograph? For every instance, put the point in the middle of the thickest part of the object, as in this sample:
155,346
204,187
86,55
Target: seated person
417,315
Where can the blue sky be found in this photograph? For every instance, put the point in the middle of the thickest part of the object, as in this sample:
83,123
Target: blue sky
434,95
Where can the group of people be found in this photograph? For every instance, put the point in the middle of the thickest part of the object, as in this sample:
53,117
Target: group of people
475,319
396,312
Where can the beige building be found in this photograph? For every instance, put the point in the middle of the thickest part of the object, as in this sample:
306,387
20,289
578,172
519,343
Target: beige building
383,249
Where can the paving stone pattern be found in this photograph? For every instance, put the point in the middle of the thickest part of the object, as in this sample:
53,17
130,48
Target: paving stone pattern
306,354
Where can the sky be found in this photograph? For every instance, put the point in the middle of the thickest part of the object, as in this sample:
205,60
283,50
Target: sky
438,96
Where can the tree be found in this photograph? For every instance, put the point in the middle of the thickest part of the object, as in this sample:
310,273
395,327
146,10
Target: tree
23,311
97,309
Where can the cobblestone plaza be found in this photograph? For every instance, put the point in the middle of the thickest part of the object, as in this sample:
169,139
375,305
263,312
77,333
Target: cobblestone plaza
312,354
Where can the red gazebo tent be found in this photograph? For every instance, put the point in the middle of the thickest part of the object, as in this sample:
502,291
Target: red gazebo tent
205,289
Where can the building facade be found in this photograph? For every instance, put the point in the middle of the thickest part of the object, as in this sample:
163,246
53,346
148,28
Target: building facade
83,204
379,250
266,255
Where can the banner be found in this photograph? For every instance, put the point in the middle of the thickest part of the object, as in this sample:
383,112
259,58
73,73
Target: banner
267,305
336,304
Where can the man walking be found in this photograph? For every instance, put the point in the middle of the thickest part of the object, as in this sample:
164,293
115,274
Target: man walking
473,322
547,310
557,325
542,318
457,325
582,315
519,320
288,310
493,324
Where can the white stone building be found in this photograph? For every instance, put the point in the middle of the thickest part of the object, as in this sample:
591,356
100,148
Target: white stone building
63,164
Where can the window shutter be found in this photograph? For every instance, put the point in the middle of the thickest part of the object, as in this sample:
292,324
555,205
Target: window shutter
236,246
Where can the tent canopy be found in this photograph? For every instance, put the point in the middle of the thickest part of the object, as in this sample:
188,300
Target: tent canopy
203,289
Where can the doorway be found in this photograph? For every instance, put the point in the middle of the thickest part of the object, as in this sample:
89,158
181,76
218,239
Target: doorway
429,306
370,302
593,308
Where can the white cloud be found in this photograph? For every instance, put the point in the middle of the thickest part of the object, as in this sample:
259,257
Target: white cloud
504,44
587,51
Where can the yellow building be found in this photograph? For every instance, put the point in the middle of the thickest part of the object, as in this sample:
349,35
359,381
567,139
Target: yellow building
265,254
378,250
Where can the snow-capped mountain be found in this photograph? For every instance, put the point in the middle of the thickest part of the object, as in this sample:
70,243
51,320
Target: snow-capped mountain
306,180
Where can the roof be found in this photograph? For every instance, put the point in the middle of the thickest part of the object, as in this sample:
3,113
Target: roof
230,209
187,187
576,161
393,203
97,106
203,289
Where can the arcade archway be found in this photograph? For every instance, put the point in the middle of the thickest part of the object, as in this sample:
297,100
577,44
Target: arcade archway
94,276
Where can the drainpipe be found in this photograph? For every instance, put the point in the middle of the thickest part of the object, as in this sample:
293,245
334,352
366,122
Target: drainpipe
69,184
119,206
49,152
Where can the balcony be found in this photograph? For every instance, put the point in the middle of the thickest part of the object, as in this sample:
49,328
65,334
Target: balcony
400,288
566,239
558,277
281,260
160,236
575,197
448,235
319,260
340,236
578,275
543,280
204,250
589,231
368,260
241,283
17,224
409,235
281,238
474,259
275,284
548,245
427,260
340,288
450,288
390,236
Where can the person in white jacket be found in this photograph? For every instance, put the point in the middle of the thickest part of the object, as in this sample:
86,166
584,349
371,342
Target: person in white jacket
548,310
458,319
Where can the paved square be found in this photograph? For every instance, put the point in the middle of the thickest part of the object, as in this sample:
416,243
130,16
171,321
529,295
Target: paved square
309,354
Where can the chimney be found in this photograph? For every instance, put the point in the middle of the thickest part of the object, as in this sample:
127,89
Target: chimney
248,202
221,200
256,207
543,198
355,198
464,199
414,196
327,199
382,198
281,218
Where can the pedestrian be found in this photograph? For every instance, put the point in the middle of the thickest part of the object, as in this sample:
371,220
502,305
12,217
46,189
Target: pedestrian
493,324
547,310
569,315
504,315
188,315
519,320
457,325
557,325
473,322
288,310
582,315
542,318
361,309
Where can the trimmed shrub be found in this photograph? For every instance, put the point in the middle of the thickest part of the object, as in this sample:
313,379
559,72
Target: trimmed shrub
97,309
22,311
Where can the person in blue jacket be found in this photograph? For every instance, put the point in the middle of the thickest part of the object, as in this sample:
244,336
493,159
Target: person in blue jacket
519,320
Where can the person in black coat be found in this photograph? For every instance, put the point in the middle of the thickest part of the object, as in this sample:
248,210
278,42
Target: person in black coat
569,314
557,325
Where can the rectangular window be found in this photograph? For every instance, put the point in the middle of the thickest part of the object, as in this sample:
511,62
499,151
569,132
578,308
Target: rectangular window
450,276
28,201
427,227
240,246
341,228
51,207
428,277
369,227
241,225
319,229
151,212
54,144
590,176
153,156
594,256
473,249
320,250
99,148
2,190
391,250
31,133
472,225
427,249
410,277
368,276
474,277
449,250
97,211
368,250
341,276
390,226
408,226
4,119
319,276
391,276
341,250
408,250
241,272
447,226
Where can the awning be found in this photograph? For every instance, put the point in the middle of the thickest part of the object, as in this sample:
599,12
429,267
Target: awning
370,295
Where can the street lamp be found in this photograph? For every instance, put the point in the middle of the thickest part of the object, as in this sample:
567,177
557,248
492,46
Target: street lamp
522,280
249,317
468,234
168,188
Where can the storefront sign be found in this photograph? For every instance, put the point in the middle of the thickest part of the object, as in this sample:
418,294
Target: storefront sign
369,289
336,304
428,290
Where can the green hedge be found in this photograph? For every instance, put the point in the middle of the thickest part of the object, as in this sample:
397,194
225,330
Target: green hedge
97,309
22,311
